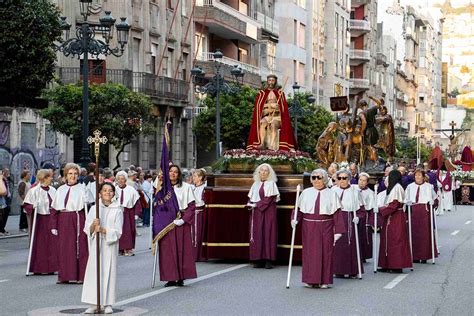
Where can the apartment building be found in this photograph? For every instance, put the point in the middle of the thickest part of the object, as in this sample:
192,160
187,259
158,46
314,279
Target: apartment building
362,55
336,75
301,46
157,62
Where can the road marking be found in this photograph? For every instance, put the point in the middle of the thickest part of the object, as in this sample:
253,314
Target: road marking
467,223
1,281
395,281
167,289
454,233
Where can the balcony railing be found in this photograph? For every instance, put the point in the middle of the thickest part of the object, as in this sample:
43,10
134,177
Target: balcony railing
359,83
206,56
359,54
268,23
226,8
361,25
146,83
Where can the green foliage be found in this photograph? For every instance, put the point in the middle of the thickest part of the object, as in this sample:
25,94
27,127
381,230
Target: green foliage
467,123
120,114
406,148
311,125
236,117
27,33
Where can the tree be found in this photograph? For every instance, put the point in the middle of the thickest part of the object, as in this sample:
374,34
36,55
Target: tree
27,33
120,114
406,149
312,125
236,116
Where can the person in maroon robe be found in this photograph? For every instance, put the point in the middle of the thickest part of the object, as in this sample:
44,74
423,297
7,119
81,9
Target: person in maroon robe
419,195
436,158
176,255
129,199
466,159
199,184
394,251
263,196
271,123
352,210
319,211
37,203
365,229
67,220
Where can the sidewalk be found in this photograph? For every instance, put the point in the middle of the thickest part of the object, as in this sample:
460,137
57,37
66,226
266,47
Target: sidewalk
13,227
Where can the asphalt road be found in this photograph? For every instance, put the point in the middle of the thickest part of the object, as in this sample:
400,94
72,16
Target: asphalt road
446,288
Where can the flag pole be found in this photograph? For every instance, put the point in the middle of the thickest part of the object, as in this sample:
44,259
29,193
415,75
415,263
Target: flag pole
293,233
97,140
32,240
374,239
155,260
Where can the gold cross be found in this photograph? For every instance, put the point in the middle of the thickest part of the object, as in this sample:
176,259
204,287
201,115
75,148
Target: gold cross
97,140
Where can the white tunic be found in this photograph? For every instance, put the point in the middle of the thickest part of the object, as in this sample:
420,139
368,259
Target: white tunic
184,194
111,218
269,188
329,202
76,201
38,197
397,193
426,195
90,187
446,197
198,194
351,198
130,196
368,197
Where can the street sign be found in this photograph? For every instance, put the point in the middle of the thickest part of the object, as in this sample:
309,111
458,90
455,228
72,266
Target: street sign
339,103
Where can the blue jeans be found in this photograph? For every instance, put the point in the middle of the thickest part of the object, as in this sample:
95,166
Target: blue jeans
146,216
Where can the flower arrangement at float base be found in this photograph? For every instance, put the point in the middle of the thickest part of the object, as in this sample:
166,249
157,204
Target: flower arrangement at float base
248,160
462,175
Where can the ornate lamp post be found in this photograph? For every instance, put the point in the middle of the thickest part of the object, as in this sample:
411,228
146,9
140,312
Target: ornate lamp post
215,86
86,44
296,110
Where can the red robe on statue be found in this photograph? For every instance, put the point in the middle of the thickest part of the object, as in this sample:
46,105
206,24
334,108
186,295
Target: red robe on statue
287,138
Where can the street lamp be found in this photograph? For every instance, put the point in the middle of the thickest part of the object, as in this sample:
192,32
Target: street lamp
84,44
296,110
215,86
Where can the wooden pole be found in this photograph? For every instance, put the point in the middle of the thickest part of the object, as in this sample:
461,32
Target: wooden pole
97,140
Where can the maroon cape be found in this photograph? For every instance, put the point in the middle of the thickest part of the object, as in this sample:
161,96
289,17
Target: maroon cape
44,252
264,225
129,232
466,159
176,257
394,243
345,251
436,159
73,249
318,245
287,138
421,232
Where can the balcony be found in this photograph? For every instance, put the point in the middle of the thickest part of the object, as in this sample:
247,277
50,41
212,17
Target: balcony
252,73
146,83
226,22
359,56
268,24
358,3
359,27
359,85
381,59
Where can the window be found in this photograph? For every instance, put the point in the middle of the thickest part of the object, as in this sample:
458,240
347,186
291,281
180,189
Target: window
300,75
301,35
295,32
170,4
28,136
271,55
183,8
301,3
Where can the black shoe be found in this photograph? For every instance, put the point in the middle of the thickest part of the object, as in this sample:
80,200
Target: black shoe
382,270
170,283
268,265
422,261
258,265
180,283
396,270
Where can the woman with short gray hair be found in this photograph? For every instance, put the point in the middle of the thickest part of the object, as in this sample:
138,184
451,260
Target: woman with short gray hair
318,210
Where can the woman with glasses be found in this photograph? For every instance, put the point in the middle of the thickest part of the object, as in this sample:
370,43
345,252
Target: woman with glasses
394,253
419,195
352,207
263,196
318,209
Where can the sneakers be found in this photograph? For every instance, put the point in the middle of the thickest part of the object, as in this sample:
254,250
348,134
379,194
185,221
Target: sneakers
324,286
108,310
24,230
90,310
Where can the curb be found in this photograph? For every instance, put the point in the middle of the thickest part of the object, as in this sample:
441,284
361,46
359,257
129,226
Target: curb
14,236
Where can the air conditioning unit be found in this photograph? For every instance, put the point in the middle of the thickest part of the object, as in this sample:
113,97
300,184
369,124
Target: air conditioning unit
187,113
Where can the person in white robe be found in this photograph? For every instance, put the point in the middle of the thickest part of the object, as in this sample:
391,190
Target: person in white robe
109,229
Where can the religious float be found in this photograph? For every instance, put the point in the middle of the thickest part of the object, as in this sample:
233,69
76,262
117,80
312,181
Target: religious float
354,137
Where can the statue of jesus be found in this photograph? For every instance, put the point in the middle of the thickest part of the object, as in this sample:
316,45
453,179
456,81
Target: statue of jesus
271,124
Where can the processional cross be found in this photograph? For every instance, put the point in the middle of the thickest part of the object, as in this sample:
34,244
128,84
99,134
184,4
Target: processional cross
453,138
97,140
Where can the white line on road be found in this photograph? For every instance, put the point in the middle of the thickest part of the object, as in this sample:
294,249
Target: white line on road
395,281
454,233
1,281
167,289
467,223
